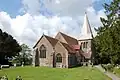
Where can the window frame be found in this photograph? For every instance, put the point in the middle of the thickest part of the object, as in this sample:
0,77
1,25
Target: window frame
59,58
42,51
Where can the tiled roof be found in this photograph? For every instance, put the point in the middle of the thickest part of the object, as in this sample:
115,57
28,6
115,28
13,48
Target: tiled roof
76,47
68,47
53,41
70,40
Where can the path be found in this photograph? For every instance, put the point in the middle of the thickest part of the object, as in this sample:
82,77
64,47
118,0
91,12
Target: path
111,75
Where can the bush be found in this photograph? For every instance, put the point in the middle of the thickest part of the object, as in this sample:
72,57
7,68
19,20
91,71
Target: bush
4,77
108,67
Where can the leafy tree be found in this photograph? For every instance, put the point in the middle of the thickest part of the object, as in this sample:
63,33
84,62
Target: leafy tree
107,41
24,56
8,47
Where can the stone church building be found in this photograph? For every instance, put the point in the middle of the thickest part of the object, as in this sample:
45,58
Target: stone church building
63,50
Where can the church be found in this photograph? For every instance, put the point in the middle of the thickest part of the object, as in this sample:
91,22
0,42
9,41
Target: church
64,51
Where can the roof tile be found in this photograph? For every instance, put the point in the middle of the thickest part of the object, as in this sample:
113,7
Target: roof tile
53,41
70,40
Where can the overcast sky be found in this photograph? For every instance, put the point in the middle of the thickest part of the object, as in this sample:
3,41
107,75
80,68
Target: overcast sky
27,20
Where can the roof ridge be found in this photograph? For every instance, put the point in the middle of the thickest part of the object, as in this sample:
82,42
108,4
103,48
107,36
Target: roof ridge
63,42
67,47
68,36
69,39
52,40
50,37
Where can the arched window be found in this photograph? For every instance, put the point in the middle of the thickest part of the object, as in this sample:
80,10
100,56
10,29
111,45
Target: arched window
59,58
42,51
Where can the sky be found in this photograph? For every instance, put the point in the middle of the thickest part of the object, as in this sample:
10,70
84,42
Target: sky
27,20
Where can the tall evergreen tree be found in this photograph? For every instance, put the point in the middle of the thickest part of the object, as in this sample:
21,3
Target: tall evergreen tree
107,40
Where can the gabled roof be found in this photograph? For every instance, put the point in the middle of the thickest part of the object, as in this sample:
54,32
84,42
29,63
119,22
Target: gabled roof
70,40
68,47
52,41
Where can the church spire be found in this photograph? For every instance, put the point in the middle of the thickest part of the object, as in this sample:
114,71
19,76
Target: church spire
86,26
86,31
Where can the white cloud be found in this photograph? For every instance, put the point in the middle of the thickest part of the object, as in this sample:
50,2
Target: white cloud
72,8
5,22
29,27
19,23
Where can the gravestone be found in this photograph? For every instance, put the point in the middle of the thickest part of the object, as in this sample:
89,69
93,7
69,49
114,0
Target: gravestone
14,64
22,64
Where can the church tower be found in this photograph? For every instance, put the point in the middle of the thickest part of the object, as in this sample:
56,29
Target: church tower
85,40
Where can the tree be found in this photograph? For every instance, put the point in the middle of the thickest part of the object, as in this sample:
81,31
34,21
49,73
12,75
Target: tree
107,41
25,55
8,47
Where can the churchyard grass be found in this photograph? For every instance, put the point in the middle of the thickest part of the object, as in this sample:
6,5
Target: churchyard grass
44,73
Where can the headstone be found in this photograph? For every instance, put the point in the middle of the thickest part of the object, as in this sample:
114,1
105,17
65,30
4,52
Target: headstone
22,64
14,64
117,67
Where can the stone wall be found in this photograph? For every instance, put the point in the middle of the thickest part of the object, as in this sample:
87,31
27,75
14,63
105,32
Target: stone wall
60,49
48,61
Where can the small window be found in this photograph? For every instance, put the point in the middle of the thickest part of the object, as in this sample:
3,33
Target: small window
59,58
84,45
81,46
42,51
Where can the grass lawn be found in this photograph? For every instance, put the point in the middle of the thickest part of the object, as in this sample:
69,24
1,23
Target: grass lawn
44,73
